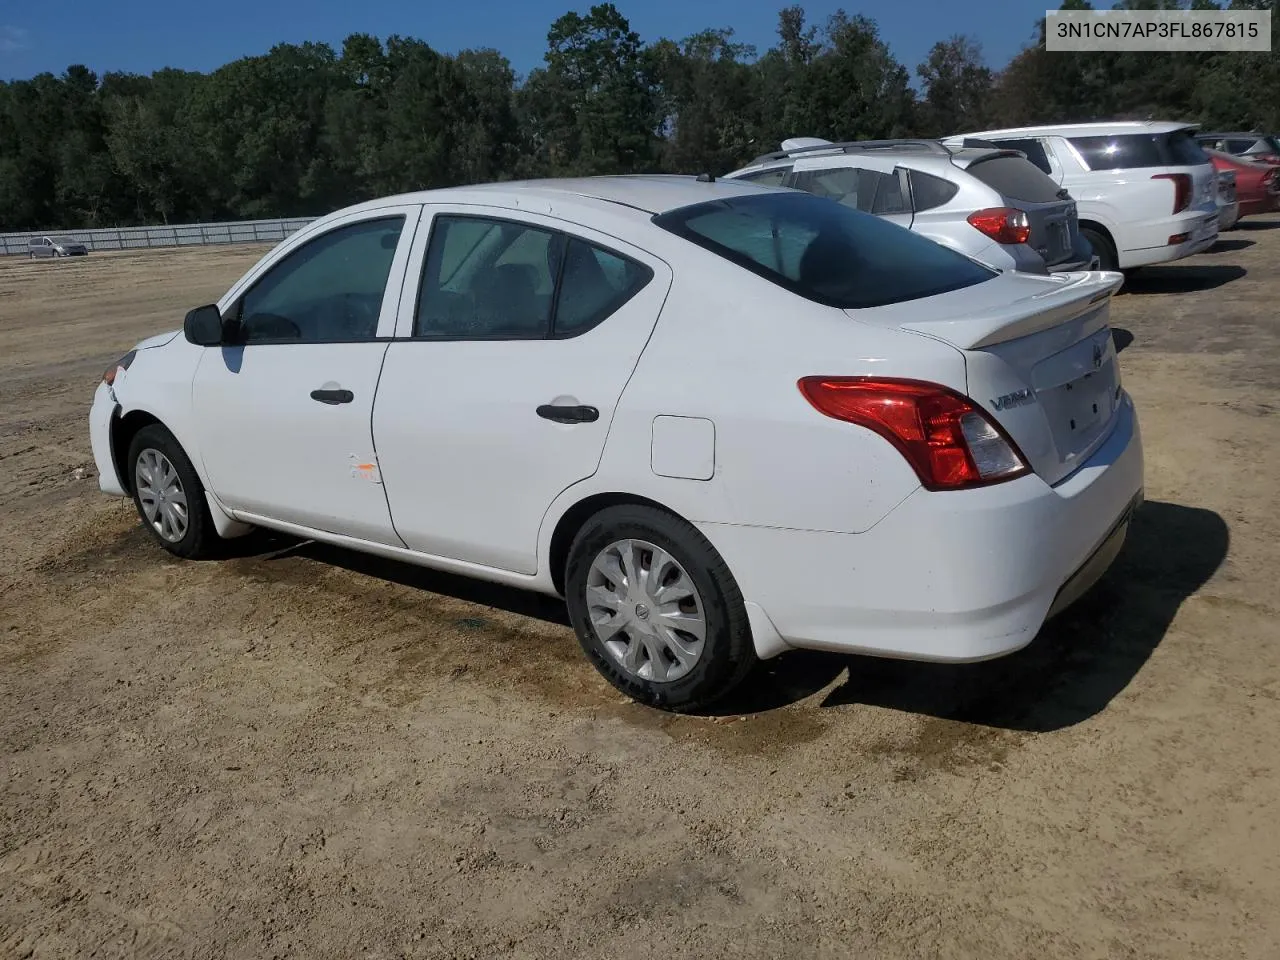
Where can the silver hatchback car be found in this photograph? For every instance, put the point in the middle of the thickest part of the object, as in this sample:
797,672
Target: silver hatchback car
55,247
991,204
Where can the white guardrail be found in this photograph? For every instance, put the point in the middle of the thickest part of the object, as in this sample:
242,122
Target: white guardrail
179,235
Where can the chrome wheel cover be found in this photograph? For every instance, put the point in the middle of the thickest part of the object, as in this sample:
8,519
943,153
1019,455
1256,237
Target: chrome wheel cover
160,492
646,611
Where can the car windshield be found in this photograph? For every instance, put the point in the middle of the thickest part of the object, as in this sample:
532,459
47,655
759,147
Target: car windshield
824,251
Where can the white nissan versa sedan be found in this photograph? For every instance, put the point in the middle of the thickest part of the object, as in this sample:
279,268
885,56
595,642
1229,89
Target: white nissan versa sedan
722,420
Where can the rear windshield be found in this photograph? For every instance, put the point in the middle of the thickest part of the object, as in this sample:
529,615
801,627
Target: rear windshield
825,252
1016,179
1136,150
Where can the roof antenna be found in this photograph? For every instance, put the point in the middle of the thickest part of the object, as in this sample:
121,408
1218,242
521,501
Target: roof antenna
706,178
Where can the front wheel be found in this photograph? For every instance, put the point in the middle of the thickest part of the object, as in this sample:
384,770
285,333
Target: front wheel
169,495
656,609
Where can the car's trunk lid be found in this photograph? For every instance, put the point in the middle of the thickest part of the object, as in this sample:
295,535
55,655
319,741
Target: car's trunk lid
1050,210
1039,358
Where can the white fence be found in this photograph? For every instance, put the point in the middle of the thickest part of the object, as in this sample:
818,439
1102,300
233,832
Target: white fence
184,235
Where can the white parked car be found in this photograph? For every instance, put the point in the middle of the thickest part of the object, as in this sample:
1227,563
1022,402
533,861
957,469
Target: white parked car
1146,191
721,420
989,204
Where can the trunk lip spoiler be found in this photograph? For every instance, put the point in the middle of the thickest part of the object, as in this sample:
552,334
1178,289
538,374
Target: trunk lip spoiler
1025,316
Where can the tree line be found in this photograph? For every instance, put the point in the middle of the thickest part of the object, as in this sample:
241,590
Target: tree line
305,128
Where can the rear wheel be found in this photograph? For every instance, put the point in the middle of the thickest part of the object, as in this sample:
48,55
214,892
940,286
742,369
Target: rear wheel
1102,247
169,495
656,609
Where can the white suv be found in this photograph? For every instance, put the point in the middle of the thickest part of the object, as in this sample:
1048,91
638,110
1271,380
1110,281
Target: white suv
1146,191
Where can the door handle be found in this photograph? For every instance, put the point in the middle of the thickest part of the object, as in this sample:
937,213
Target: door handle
333,396
568,414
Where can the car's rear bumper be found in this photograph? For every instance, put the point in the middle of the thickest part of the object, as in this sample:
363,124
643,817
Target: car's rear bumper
959,576
101,414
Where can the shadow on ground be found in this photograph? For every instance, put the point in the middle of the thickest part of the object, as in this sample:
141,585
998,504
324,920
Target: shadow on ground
1181,278
1121,338
523,602
1080,661
1258,225
1227,246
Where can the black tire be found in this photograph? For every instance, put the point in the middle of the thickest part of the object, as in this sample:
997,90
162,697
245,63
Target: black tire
728,653
201,540
1102,247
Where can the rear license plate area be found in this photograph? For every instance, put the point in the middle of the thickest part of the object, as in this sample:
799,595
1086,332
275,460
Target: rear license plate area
1086,402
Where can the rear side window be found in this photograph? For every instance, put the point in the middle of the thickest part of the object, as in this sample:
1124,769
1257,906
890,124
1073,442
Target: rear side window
1182,149
501,280
1137,150
772,177
1239,146
848,185
1118,153
928,191
487,279
1034,150
867,190
593,284
824,252
1015,179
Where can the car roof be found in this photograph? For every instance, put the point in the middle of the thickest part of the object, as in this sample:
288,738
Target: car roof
646,193
1084,129
1252,135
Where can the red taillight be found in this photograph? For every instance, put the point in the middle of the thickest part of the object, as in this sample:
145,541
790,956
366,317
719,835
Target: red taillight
1002,224
1181,189
949,442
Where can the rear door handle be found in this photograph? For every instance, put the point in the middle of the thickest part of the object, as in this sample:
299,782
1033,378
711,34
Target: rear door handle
568,414
333,396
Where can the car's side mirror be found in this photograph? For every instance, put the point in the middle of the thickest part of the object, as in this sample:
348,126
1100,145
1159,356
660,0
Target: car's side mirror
203,326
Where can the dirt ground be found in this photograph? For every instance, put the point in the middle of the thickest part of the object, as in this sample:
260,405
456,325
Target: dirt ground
307,753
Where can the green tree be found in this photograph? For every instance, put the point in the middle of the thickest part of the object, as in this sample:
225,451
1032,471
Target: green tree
957,88
594,107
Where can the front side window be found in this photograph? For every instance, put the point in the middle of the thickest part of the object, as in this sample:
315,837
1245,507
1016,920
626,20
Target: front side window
330,289
501,280
825,252
772,177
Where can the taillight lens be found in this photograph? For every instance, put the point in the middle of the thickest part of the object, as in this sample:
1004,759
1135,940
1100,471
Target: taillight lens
1002,224
109,377
1181,189
949,442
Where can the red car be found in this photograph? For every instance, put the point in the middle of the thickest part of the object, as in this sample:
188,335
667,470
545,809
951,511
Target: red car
1257,184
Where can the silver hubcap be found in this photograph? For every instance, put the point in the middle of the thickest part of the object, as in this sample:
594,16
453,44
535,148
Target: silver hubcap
164,502
646,610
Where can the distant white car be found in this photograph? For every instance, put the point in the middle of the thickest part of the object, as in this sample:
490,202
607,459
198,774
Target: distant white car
1146,191
721,420
989,204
